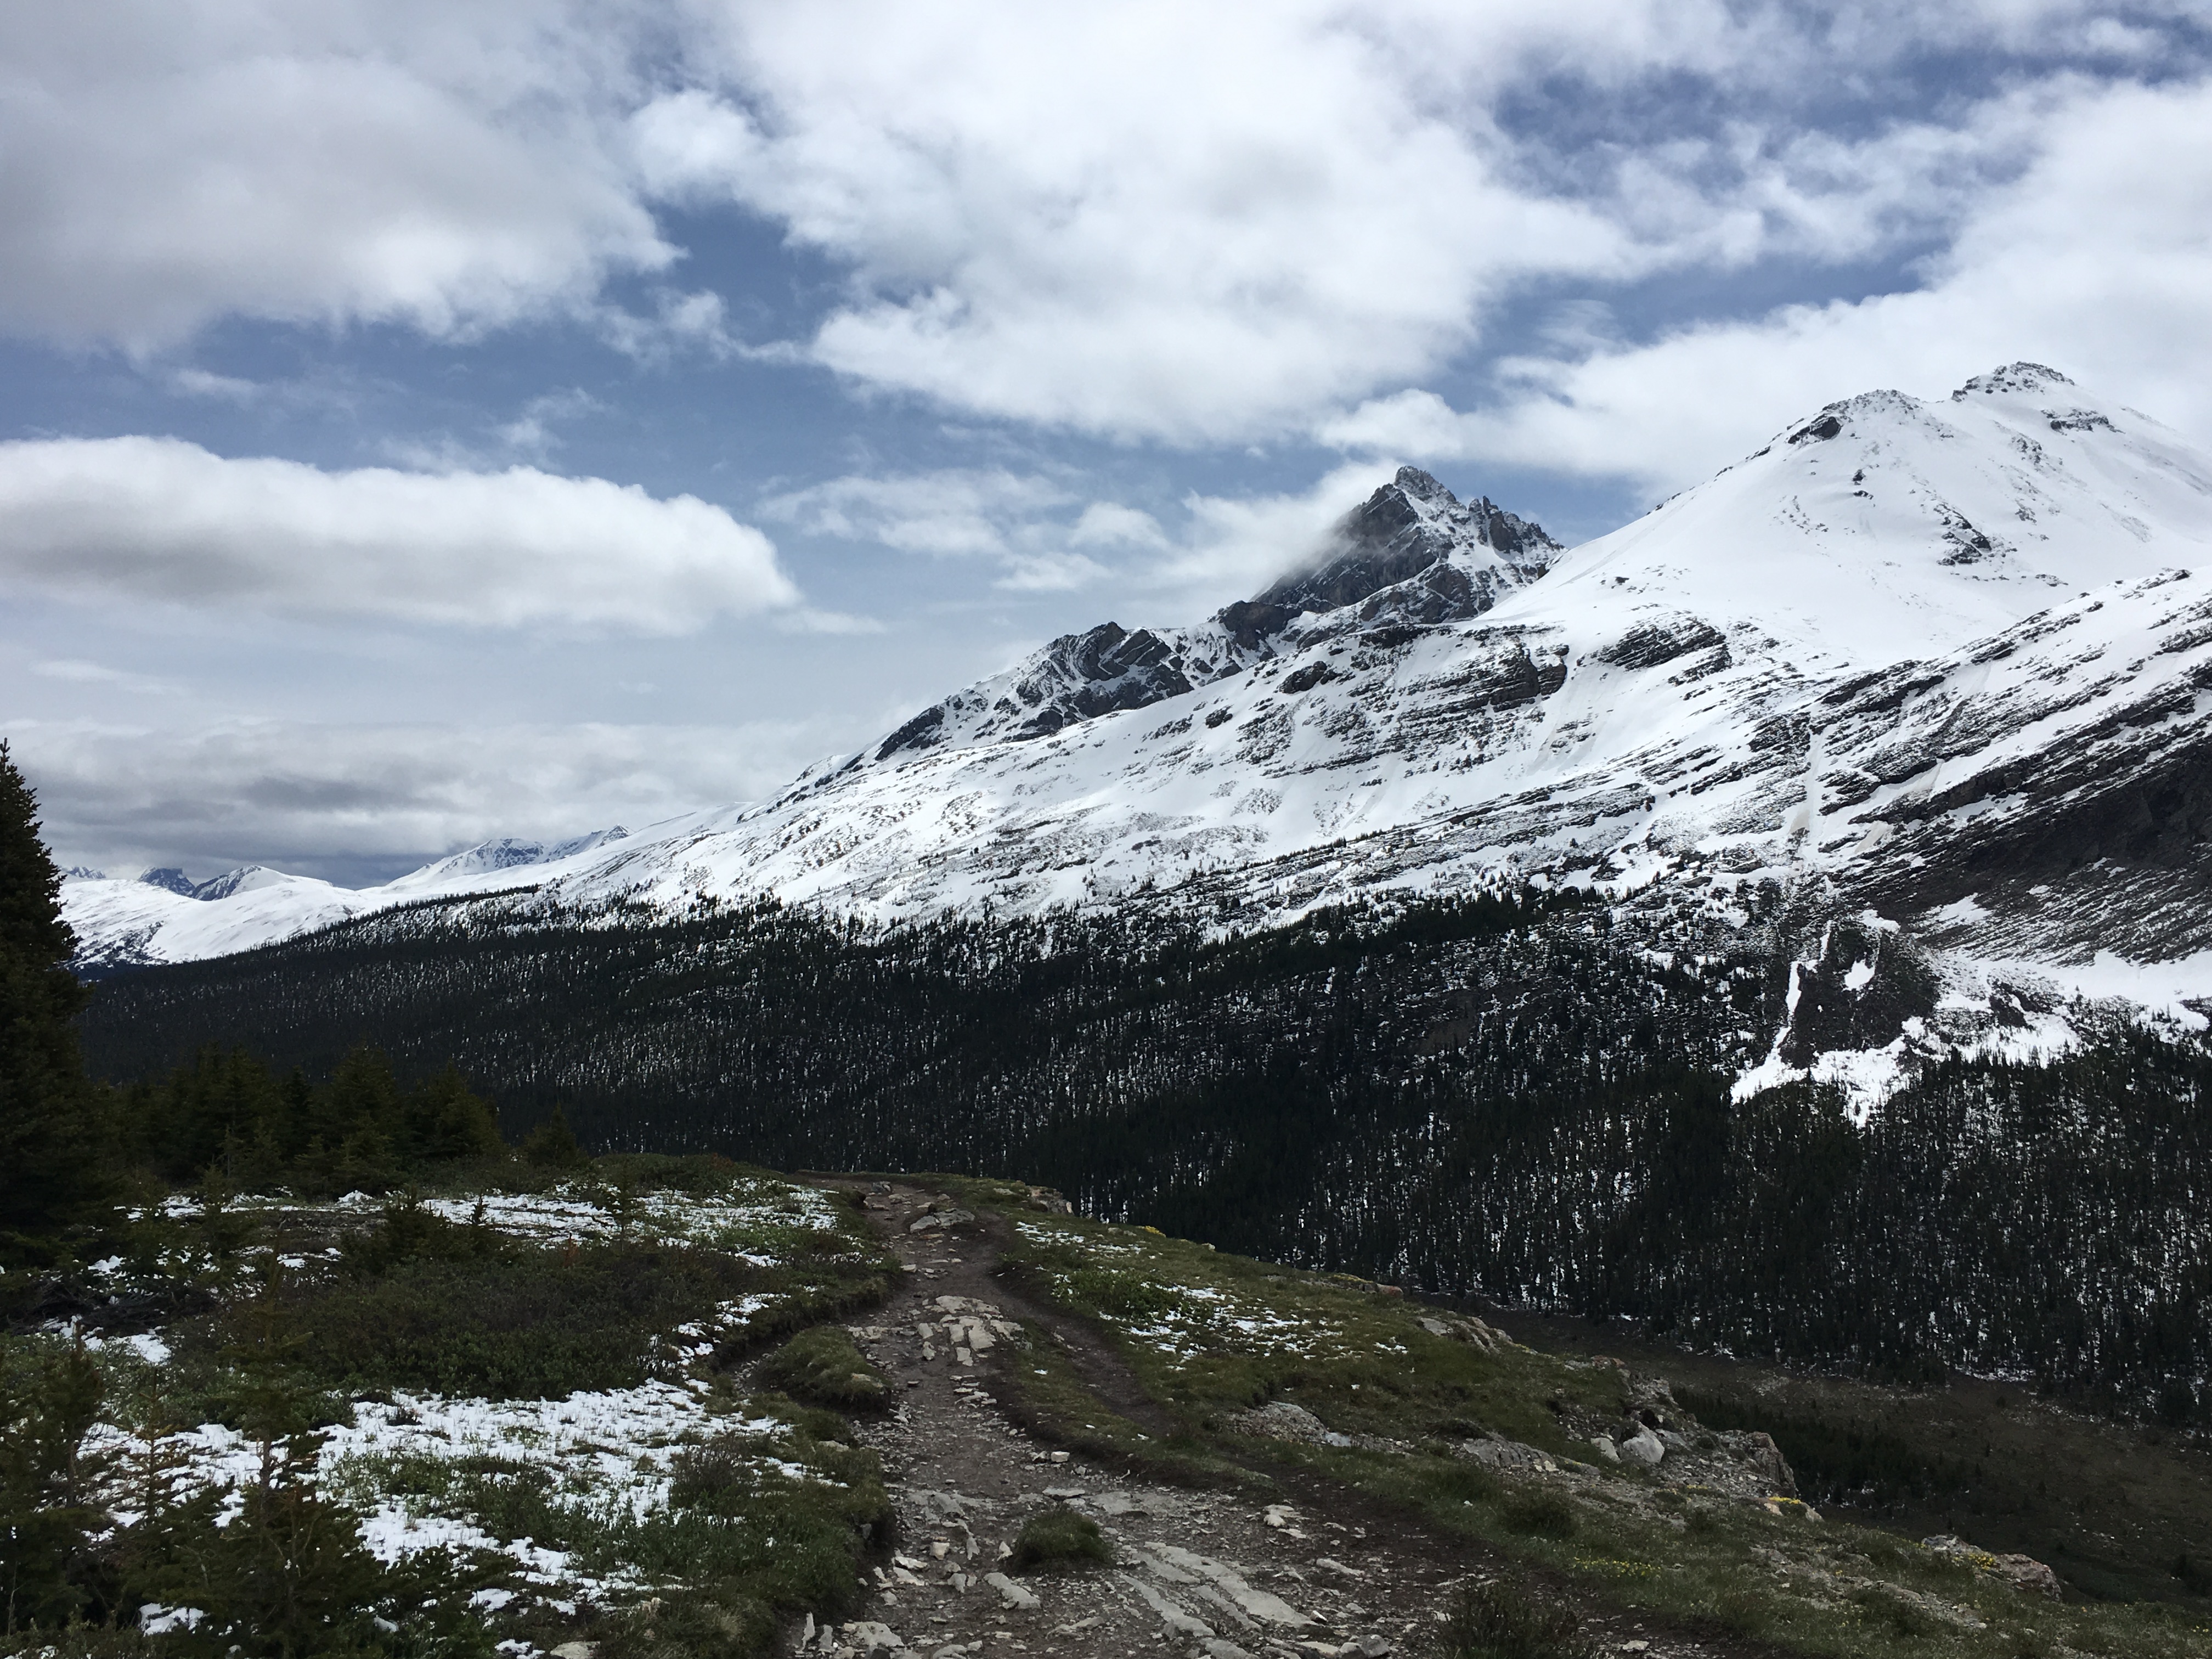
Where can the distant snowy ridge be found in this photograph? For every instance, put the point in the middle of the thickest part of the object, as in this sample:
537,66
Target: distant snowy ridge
1944,662
162,917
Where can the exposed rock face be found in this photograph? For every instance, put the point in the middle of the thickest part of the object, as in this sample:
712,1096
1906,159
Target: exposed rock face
1405,530
1078,676
1859,992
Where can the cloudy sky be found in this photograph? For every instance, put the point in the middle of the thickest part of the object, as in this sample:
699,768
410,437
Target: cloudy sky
424,420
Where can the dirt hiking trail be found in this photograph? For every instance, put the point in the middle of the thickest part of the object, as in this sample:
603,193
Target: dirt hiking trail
1297,1569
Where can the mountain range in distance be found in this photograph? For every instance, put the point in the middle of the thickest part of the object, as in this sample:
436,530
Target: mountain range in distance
1930,677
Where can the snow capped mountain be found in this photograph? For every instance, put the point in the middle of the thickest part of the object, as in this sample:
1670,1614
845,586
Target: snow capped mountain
1947,662
492,856
1436,559
162,916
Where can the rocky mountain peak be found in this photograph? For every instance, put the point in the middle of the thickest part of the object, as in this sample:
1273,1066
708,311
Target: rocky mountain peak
1412,556
245,879
1421,486
2022,377
1403,528
1413,534
169,881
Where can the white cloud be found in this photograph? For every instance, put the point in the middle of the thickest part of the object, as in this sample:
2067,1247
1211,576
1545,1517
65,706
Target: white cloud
77,672
1233,546
1108,524
359,802
2096,259
532,431
158,518
1145,220
1207,224
956,511
1015,520
449,166
1222,547
223,388
1149,220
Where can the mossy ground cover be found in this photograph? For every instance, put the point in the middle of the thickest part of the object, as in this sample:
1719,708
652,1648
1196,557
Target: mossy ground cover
1211,1336
520,1387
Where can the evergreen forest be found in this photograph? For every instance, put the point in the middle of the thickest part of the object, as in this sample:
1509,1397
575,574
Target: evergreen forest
1516,1096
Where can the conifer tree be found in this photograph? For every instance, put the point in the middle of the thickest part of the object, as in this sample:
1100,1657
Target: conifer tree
52,1154
443,1119
553,1144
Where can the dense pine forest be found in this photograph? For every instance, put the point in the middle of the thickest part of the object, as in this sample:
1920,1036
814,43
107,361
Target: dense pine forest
1515,1096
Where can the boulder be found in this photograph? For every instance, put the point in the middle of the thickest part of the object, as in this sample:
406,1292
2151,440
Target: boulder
1467,1329
1644,1449
2023,1572
943,1221
1498,1452
1279,1420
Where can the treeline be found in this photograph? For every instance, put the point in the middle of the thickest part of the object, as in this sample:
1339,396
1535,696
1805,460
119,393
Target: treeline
75,1150
963,1043
2038,1220
224,1112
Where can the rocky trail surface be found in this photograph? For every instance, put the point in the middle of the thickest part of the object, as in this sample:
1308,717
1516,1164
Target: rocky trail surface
1287,1566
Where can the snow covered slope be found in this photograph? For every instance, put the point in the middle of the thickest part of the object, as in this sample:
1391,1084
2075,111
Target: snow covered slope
1949,661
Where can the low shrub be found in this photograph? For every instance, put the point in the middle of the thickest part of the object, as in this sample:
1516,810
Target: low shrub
1125,1296
1540,1514
1458,1480
1496,1621
532,1324
721,1623
1891,1609
1058,1538
823,1366
408,1233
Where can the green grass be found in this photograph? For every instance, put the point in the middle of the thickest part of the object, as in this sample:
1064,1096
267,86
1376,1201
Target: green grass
1057,1405
1541,1513
537,1323
460,1308
769,1509
740,1544
2114,1507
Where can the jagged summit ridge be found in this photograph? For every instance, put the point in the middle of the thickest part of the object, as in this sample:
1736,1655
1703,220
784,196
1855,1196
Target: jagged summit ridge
1411,530
1411,551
